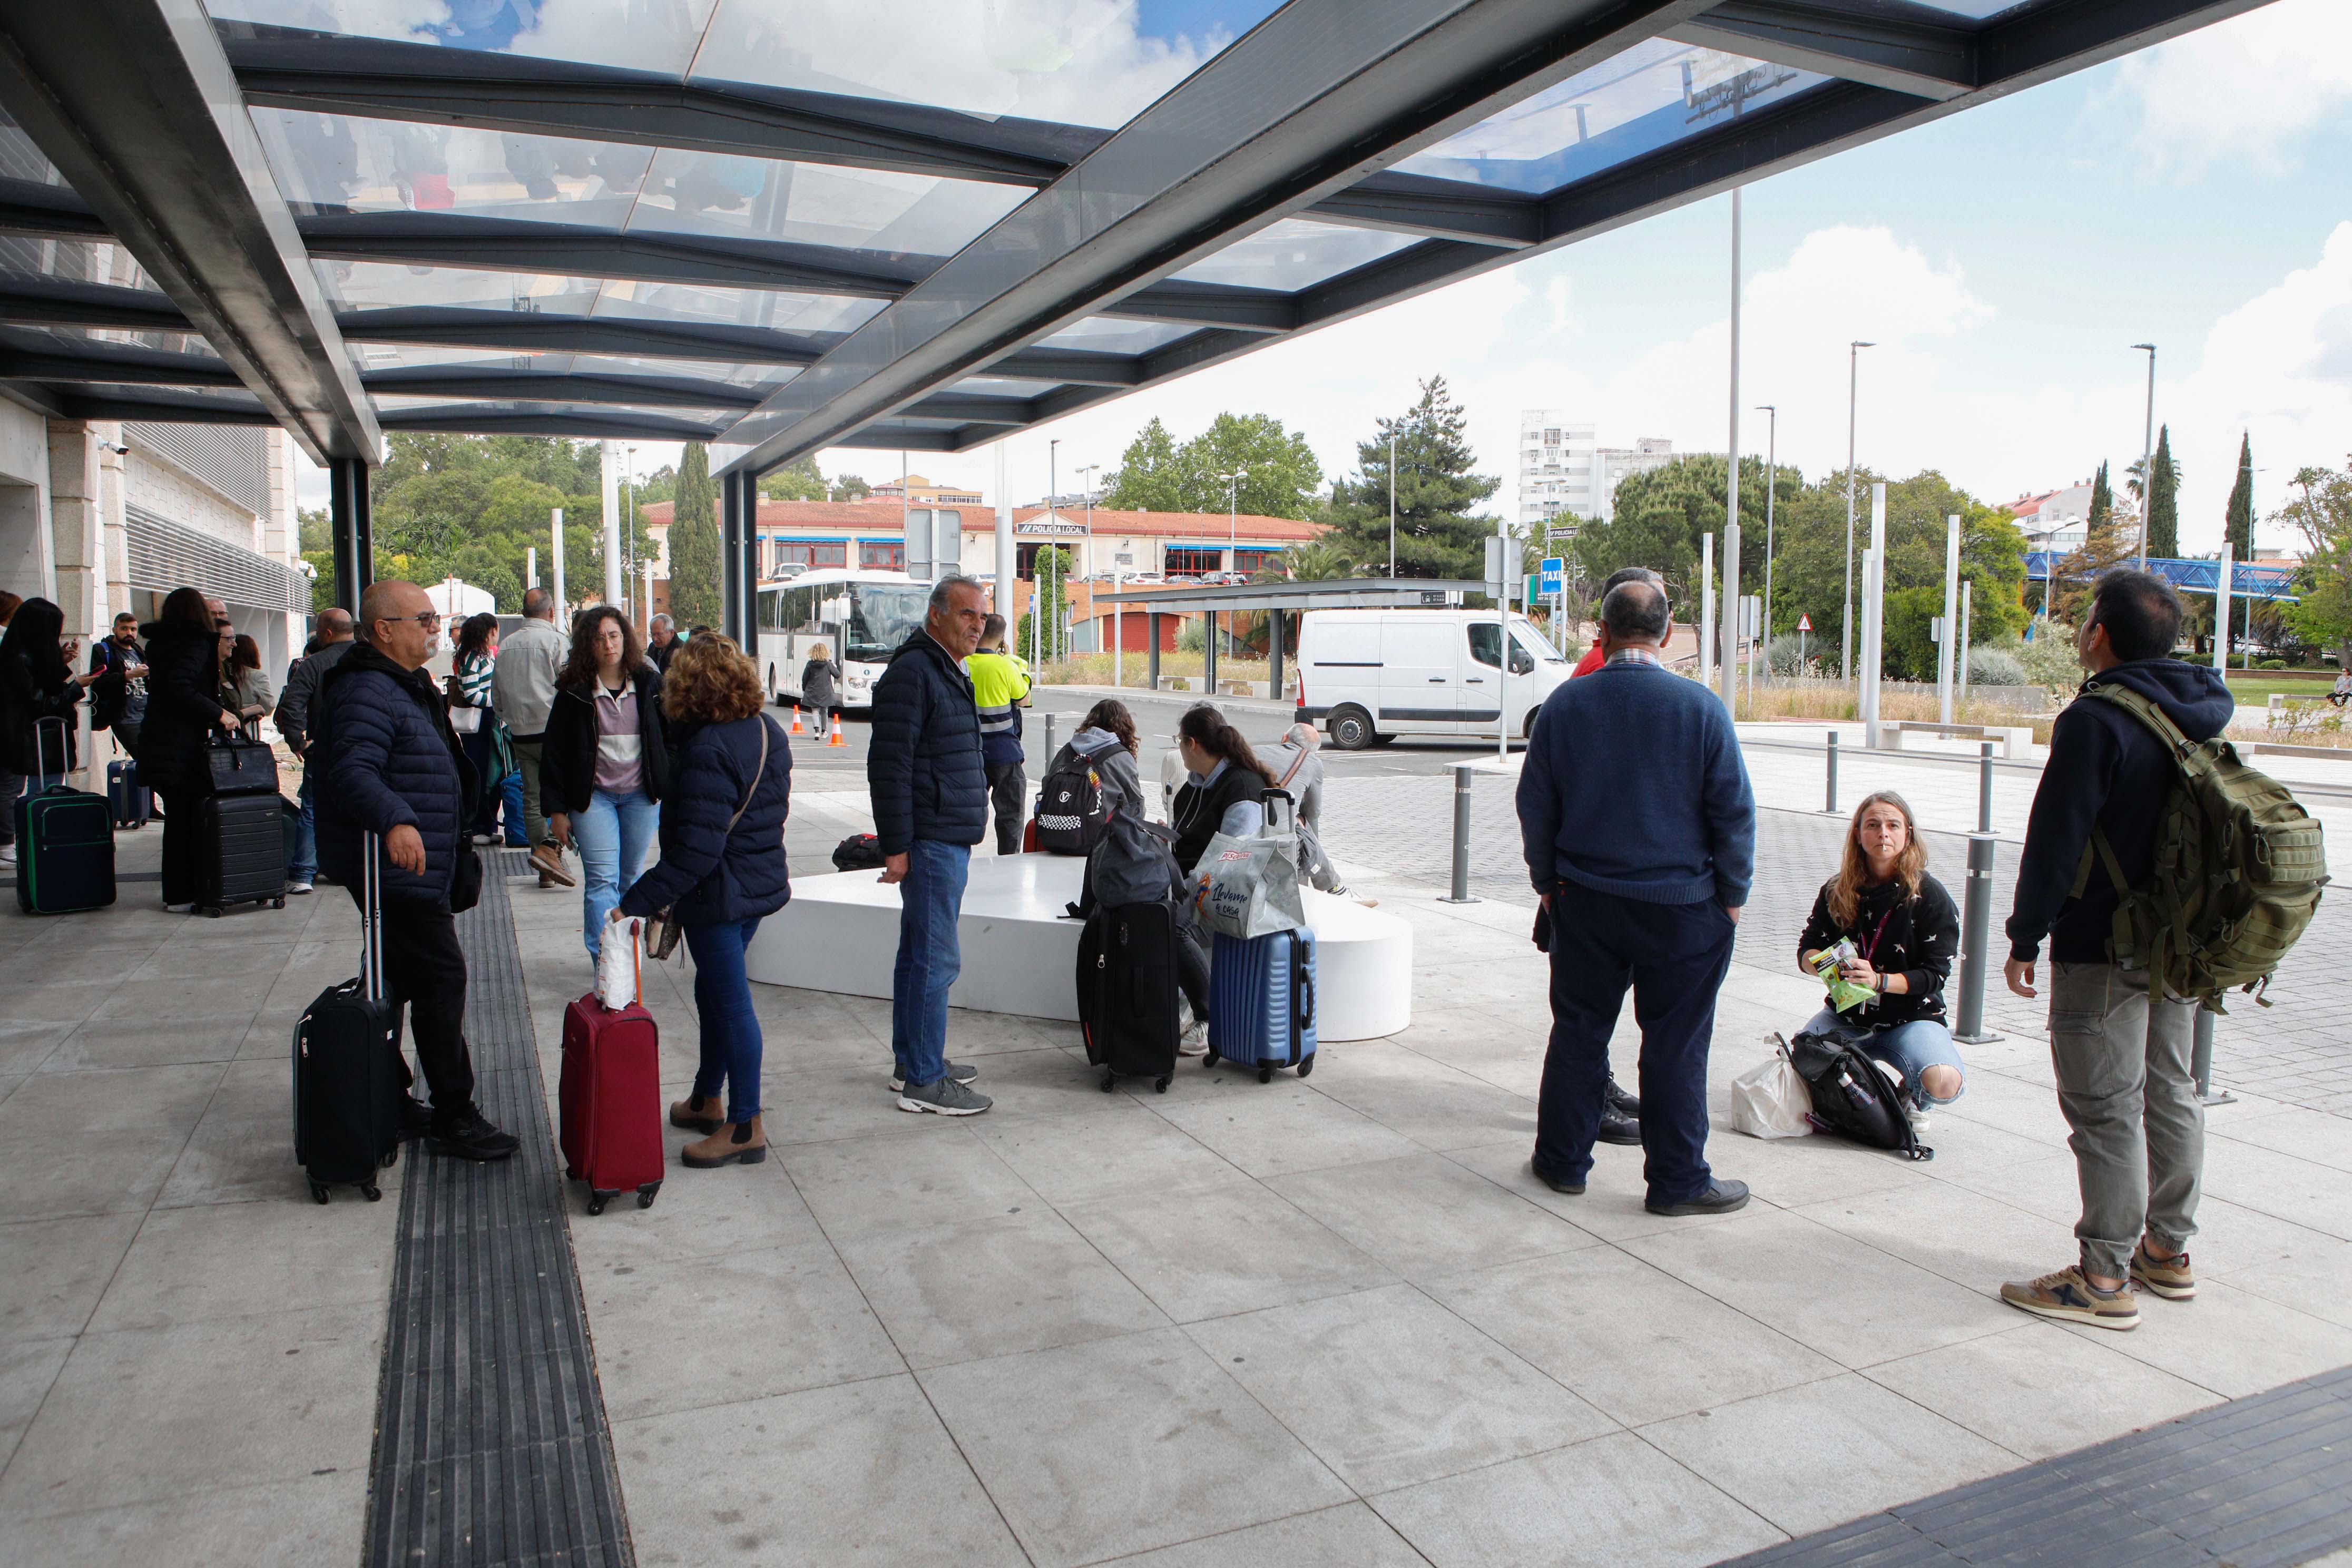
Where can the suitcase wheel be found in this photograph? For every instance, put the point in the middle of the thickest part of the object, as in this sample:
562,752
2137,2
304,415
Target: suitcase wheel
570,1174
1160,1086
645,1195
1306,1067
1265,1075
597,1201
391,1157
278,904
1110,1081
371,1192
317,1191
215,911
1210,1060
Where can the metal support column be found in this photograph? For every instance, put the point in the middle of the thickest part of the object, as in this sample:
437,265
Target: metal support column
1209,653
354,533
1460,894
730,557
746,560
2200,1060
1152,661
1274,654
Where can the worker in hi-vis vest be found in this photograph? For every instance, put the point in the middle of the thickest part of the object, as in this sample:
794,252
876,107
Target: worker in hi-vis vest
1000,689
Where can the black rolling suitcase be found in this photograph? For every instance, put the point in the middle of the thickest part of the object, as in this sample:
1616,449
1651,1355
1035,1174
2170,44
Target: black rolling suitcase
126,796
349,1080
240,829
1127,992
65,840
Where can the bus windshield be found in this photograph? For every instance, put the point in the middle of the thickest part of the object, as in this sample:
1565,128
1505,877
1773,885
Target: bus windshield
881,616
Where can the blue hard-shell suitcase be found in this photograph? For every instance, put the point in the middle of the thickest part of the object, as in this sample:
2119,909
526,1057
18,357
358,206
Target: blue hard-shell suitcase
126,797
1262,1002
65,845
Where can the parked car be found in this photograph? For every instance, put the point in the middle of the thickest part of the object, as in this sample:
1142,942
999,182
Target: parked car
1183,579
1369,675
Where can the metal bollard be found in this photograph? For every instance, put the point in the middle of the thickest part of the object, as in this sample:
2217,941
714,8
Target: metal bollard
1460,893
1984,789
2200,1060
1829,805
1049,739
1976,935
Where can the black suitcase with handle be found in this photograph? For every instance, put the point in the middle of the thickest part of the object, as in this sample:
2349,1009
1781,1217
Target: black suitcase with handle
1127,992
349,1079
240,851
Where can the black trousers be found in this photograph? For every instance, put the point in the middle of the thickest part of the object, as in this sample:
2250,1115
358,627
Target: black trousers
1008,790
1674,957
180,839
1193,967
425,968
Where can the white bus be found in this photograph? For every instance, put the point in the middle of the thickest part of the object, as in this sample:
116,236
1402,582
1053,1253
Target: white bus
860,617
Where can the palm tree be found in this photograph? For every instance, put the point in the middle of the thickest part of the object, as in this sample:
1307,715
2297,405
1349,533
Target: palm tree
1321,562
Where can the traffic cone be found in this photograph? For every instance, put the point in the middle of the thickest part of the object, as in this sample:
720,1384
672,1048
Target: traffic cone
836,739
797,720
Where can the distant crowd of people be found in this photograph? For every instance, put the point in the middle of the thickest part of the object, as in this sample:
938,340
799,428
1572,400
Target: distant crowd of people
1637,820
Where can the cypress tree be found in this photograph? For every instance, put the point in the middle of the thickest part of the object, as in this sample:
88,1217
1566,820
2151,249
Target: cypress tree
2239,527
693,546
1436,534
2163,500
2103,502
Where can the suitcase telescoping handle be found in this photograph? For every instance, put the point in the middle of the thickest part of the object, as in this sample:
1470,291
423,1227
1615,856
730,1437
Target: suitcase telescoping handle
1268,826
372,916
40,728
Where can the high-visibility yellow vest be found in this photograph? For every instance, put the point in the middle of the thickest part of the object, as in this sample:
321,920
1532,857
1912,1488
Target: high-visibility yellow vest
998,682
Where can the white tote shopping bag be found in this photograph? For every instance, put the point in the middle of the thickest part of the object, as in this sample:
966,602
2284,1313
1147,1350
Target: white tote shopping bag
617,964
1769,1101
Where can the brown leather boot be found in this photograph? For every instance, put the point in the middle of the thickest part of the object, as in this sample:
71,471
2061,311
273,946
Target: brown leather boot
696,1113
739,1141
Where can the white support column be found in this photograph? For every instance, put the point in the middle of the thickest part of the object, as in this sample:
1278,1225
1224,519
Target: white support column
1007,556
77,553
563,604
1731,495
609,463
1707,609
1946,649
1968,619
1873,616
2221,613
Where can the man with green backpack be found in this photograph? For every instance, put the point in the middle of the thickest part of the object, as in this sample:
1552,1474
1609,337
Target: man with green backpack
2165,872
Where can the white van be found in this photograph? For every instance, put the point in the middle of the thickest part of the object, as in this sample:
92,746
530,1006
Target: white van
1369,675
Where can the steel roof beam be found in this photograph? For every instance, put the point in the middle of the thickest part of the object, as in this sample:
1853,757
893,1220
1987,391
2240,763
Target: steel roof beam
475,419
160,405
537,332
1921,58
30,300
134,103
498,385
1442,209
1314,99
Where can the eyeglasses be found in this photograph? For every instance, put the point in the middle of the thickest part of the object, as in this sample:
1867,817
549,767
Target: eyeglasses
430,620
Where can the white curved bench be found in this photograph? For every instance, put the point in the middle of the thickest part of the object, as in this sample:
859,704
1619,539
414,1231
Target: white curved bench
840,933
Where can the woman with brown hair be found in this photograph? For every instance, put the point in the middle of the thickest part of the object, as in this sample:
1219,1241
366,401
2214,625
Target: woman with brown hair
242,678
1106,740
721,872
603,766
1222,772
1903,933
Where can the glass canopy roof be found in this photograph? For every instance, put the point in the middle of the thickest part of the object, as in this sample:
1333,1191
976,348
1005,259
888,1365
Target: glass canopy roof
853,187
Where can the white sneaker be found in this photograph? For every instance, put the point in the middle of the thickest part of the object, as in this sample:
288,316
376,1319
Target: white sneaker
1918,1119
7,854
1194,1041
298,887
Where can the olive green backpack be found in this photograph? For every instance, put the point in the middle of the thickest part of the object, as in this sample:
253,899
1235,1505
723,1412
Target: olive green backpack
2238,870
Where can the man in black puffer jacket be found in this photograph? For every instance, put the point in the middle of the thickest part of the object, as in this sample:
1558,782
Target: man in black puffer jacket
392,767
929,784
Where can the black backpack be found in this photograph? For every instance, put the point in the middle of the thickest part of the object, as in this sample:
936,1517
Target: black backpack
1851,1097
858,852
1072,811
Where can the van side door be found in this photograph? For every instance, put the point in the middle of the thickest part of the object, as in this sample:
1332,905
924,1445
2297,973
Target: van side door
1421,674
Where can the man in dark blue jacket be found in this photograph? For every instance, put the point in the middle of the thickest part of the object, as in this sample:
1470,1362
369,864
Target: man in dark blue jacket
392,767
924,768
1640,834
2120,1054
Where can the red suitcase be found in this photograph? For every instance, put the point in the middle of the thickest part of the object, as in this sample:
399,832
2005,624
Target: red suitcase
610,1096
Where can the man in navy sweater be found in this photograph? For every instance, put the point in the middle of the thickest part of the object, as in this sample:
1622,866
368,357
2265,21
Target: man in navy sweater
1640,833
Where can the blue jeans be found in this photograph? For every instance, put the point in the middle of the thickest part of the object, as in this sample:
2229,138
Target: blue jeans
304,867
730,1029
1915,1047
929,957
1673,957
613,834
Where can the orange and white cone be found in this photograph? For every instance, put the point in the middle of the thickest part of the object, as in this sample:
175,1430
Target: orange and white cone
835,740
797,720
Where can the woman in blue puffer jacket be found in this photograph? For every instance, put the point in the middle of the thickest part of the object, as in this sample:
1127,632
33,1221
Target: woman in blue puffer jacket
722,870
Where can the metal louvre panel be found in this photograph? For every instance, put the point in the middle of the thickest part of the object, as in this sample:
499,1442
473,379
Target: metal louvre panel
163,555
231,459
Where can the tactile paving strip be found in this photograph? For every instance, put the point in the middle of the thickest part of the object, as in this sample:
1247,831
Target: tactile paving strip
491,1444
2258,1482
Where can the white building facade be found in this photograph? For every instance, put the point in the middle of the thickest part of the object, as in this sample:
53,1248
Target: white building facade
2055,520
1565,473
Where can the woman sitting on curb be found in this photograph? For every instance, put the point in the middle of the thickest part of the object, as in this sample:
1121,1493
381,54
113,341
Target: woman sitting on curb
1905,933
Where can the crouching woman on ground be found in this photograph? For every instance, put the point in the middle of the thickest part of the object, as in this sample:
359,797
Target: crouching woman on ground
721,871
1905,933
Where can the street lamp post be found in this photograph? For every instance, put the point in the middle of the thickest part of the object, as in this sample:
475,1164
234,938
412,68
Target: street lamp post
2147,458
1086,545
1392,504
1845,629
1233,516
1772,459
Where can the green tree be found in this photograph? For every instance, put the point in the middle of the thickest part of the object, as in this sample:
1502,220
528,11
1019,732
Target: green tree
1691,490
2163,507
797,481
1280,474
694,543
1148,478
2103,502
2238,526
2321,510
1438,534
1317,562
1053,569
850,487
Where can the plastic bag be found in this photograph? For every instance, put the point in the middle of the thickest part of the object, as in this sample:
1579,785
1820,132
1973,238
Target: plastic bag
1769,1101
1844,995
617,964
1248,888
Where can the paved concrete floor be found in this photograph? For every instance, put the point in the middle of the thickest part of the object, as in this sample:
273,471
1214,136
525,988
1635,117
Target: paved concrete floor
1321,1321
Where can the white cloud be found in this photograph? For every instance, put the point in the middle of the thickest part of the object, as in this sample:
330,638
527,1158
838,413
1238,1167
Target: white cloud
2245,90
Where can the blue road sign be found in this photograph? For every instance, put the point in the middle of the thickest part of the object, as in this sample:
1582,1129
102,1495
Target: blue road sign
1552,568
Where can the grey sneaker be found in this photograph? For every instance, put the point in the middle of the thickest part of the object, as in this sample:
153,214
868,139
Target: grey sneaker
944,1098
963,1072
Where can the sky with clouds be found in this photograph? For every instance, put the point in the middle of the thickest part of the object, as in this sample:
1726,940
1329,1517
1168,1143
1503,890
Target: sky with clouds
2004,260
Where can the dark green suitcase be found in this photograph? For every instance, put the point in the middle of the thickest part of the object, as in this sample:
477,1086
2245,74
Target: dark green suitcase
65,845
